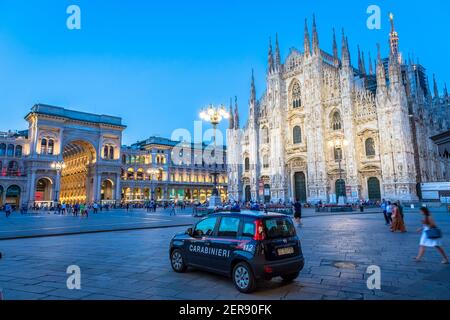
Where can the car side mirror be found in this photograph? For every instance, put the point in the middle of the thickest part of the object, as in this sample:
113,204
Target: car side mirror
189,231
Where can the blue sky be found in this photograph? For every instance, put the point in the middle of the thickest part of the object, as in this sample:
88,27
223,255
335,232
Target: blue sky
156,64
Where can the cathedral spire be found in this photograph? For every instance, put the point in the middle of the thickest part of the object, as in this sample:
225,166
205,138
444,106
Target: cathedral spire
277,53
335,49
306,41
393,39
359,60
435,87
445,91
370,65
381,73
363,64
348,50
270,57
236,114
315,37
231,121
345,54
252,90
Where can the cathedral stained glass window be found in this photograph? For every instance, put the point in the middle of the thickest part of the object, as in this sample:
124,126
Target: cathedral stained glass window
336,122
297,135
296,96
370,147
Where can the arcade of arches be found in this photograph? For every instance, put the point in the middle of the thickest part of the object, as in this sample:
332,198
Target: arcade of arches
77,176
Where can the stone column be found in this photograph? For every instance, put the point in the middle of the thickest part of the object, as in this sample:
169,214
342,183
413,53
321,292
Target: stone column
118,193
31,187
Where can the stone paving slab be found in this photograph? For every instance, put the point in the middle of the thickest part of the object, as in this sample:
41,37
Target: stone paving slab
135,265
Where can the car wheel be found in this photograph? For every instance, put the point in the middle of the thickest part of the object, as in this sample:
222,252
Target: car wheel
290,277
243,278
177,261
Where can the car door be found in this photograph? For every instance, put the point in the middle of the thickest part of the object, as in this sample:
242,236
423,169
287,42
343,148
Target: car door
199,244
225,241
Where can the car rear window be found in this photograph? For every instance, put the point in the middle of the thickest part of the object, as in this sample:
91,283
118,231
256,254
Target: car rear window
279,228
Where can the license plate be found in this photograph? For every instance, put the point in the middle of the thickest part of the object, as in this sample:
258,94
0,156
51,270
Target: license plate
285,251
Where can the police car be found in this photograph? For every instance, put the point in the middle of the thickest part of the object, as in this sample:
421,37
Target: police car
247,246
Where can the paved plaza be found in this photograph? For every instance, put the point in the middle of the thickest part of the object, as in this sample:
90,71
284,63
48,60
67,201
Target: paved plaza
46,223
135,265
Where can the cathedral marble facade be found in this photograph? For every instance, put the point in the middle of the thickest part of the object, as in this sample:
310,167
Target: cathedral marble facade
325,130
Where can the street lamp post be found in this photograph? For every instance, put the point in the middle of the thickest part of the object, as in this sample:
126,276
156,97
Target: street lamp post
151,172
58,166
214,115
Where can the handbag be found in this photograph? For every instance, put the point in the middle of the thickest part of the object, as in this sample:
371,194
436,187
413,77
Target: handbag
434,233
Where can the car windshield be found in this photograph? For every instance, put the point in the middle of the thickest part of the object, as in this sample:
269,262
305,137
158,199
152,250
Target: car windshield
279,228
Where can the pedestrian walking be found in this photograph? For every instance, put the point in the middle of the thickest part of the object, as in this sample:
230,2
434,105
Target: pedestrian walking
397,220
172,210
95,206
431,236
400,208
389,212
8,210
383,207
297,207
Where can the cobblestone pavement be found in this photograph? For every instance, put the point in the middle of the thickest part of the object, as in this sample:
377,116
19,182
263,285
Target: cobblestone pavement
135,265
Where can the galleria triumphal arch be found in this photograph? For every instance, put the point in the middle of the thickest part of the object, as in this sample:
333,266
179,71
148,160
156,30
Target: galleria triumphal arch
89,147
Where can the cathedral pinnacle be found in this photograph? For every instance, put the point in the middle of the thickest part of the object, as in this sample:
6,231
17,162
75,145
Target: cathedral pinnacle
306,41
345,54
435,87
381,74
277,53
335,49
236,114
315,38
270,57
231,121
393,40
252,90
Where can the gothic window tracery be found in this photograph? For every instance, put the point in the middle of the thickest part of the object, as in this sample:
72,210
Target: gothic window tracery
265,161
265,135
247,164
297,135
336,121
296,96
370,147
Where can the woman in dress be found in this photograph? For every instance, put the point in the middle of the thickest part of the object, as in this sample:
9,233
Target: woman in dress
428,223
397,220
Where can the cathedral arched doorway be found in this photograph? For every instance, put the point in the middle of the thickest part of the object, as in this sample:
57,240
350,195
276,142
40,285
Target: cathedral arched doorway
300,186
340,188
374,190
248,194
107,192
266,193
43,190
77,183
13,195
